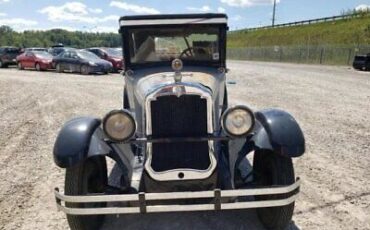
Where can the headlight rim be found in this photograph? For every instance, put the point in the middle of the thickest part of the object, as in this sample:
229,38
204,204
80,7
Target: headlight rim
228,111
129,115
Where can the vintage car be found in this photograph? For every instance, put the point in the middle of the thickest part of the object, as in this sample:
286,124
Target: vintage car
39,60
178,145
362,62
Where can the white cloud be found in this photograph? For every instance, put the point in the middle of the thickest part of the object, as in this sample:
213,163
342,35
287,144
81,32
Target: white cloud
221,10
17,23
236,18
134,8
202,9
2,14
205,9
2,1
75,12
248,3
362,7
95,11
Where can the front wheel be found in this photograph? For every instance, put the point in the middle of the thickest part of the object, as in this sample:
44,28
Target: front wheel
58,68
38,67
88,177
85,70
20,66
2,65
271,169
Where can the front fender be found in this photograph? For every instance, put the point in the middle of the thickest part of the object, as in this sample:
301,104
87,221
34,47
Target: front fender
278,131
76,141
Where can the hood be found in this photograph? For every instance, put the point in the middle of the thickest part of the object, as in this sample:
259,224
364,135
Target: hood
100,62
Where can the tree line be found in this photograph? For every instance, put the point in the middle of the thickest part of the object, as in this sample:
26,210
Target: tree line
77,39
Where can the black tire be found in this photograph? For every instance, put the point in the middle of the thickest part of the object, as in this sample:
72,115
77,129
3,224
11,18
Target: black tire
85,70
85,178
58,68
20,66
270,169
38,67
3,65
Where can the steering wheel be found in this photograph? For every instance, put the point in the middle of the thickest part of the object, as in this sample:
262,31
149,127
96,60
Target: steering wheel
188,52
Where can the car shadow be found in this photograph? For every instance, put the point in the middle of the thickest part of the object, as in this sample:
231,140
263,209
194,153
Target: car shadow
235,219
213,220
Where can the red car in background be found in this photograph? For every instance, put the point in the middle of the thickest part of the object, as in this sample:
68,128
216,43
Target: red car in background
39,60
112,55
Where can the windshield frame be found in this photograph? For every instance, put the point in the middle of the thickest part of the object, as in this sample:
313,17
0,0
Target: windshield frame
221,62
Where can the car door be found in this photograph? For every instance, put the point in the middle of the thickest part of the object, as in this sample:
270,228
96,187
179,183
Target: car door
28,60
74,62
63,60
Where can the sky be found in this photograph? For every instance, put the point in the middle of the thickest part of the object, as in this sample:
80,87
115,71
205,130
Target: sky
103,15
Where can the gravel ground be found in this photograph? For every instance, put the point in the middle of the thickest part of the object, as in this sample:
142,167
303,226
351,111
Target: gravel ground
332,104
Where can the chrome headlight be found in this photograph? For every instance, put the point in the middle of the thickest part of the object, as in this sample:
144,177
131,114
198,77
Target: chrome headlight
119,125
238,121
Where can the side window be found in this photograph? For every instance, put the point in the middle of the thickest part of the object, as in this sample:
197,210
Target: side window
73,55
1,50
66,55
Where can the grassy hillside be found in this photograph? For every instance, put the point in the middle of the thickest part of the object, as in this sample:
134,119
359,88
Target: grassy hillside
344,32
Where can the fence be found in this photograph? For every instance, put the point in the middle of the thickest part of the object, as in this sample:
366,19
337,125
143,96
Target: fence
326,55
313,21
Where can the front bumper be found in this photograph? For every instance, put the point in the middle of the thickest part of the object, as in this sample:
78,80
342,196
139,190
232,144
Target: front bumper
141,199
100,69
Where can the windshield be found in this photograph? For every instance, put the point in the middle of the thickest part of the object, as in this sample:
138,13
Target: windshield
42,54
198,43
87,55
13,51
114,52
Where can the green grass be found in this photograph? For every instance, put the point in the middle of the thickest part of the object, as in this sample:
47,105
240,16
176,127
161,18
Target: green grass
354,31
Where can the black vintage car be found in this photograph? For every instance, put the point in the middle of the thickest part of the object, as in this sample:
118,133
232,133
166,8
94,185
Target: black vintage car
362,62
178,144
8,56
81,61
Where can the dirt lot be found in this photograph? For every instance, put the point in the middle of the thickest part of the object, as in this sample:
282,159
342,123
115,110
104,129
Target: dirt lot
332,105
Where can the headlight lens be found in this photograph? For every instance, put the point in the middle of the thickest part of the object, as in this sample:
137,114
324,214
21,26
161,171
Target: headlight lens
92,63
238,121
119,125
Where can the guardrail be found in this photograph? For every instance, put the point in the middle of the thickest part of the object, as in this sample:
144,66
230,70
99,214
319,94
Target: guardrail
325,55
311,21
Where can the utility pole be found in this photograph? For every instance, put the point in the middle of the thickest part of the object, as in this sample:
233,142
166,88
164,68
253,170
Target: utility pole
273,14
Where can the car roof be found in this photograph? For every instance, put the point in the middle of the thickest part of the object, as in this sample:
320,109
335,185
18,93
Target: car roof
173,19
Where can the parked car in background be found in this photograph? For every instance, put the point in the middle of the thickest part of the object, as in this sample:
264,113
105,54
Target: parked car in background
39,60
55,51
35,49
112,55
8,56
81,61
362,62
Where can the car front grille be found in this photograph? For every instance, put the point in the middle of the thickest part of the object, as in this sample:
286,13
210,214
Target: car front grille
184,116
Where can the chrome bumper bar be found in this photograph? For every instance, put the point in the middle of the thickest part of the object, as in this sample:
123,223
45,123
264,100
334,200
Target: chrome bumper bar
141,199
